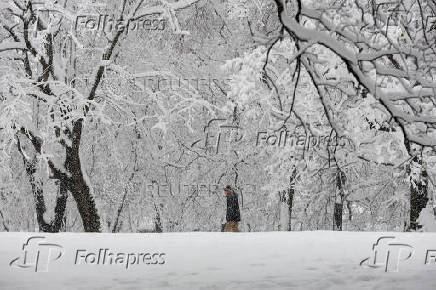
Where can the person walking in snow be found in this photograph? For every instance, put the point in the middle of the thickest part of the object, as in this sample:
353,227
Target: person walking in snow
233,215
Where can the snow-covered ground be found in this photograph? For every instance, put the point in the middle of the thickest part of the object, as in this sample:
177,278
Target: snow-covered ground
271,260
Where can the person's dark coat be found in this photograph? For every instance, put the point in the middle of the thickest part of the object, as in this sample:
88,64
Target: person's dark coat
233,214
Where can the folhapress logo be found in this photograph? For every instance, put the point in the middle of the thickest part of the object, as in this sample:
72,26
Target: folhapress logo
37,254
220,136
387,253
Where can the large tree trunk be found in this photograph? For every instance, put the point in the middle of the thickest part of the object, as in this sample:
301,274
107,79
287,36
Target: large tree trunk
61,204
36,184
61,200
78,184
81,192
74,182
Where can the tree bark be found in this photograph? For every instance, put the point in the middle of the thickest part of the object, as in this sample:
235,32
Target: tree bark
338,216
157,222
61,200
290,201
339,203
37,189
4,222
418,196
78,185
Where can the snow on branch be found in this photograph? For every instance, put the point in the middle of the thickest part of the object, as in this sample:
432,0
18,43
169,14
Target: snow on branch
161,9
4,46
371,49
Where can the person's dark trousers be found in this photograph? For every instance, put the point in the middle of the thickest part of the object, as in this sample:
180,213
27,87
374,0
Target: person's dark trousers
231,227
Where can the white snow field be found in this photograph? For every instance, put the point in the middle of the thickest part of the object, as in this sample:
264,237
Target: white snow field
215,260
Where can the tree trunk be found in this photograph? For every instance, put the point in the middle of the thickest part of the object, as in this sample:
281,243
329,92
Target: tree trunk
86,205
81,192
290,204
157,222
37,189
78,185
4,221
338,217
61,200
418,199
290,197
61,204
116,226
339,202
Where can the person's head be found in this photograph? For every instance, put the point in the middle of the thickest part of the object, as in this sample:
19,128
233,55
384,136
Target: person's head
227,189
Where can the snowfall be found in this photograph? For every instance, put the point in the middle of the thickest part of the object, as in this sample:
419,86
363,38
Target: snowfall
215,260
